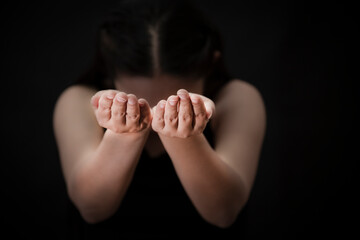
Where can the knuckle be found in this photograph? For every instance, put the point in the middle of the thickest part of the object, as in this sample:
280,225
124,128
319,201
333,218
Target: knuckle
171,118
122,114
200,115
133,117
118,114
186,117
159,119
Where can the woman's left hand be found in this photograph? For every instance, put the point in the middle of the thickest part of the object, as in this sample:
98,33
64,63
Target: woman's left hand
182,115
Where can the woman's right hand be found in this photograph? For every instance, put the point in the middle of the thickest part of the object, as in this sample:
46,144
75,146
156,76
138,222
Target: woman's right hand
121,112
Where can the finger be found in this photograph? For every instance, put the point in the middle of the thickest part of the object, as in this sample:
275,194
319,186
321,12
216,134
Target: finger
145,113
209,104
200,115
210,109
171,114
158,122
132,111
118,109
95,99
105,103
186,114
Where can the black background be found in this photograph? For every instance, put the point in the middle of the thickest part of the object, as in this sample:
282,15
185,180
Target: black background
296,53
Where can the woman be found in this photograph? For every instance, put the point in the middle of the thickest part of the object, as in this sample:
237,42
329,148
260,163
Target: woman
156,132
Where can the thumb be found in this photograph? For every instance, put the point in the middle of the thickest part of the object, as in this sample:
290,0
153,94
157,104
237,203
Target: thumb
210,108
145,111
209,105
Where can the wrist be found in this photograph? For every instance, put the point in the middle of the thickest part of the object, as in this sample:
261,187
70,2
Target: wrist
181,141
135,136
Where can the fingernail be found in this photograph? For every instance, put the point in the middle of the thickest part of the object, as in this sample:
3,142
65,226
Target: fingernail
173,101
183,94
131,101
194,100
120,99
142,102
110,97
162,104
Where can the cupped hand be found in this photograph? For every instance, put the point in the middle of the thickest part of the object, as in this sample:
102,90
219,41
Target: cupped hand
182,115
121,112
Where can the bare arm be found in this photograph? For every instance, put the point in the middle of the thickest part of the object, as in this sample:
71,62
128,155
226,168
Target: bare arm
219,181
98,167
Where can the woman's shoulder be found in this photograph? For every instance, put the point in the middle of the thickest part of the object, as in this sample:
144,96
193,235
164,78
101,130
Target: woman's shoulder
77,91
74,95
238,101
239,90
73,99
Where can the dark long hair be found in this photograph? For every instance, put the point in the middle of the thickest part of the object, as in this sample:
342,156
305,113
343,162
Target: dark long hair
145,37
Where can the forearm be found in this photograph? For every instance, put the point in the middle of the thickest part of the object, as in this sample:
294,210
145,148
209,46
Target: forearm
215,189
100,180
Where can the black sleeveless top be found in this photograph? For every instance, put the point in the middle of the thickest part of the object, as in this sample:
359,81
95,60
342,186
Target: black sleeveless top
155,206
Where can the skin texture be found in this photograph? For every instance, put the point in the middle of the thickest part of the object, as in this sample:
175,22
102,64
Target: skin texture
98,166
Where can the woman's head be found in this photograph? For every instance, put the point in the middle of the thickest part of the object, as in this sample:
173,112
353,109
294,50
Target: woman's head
152,37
